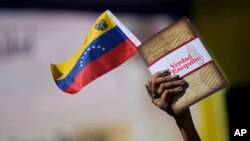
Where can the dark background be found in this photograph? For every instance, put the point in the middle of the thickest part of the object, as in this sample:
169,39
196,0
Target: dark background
176,8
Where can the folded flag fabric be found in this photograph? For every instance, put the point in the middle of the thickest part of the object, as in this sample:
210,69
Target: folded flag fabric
108,44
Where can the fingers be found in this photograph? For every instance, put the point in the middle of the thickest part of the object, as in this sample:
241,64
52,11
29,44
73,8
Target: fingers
164,100
160,77
163,80
171,84
154,79
169,93
163,86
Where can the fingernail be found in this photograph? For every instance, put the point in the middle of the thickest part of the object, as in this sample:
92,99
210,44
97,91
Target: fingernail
174,76
180,88
182,82
165,71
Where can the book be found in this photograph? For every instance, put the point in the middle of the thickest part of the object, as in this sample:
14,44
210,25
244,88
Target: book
178,48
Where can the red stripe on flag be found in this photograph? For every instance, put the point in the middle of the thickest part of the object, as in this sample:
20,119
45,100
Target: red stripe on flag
102,65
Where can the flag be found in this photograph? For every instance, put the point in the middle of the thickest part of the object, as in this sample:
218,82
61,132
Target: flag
107,45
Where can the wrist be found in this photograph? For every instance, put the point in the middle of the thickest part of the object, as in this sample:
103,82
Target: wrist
183,117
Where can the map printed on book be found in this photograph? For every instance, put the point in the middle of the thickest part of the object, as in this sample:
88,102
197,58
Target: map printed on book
179,49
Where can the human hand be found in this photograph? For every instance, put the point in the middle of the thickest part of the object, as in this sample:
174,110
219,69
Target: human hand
162,87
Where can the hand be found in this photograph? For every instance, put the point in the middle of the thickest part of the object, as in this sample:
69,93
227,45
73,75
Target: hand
162,87
165,86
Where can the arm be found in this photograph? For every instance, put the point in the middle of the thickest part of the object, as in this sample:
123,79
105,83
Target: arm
185,123
162,87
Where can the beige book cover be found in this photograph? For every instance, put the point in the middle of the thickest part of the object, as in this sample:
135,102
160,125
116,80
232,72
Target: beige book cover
179,49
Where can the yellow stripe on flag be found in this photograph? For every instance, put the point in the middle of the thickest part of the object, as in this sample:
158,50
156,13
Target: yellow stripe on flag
60,71
214,119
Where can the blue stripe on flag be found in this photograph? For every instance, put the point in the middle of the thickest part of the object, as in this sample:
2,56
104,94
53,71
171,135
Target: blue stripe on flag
94,50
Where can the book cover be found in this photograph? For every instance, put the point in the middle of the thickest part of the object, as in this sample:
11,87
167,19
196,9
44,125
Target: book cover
179,49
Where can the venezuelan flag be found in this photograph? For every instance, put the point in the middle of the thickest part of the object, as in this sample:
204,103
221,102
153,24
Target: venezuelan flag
108,44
